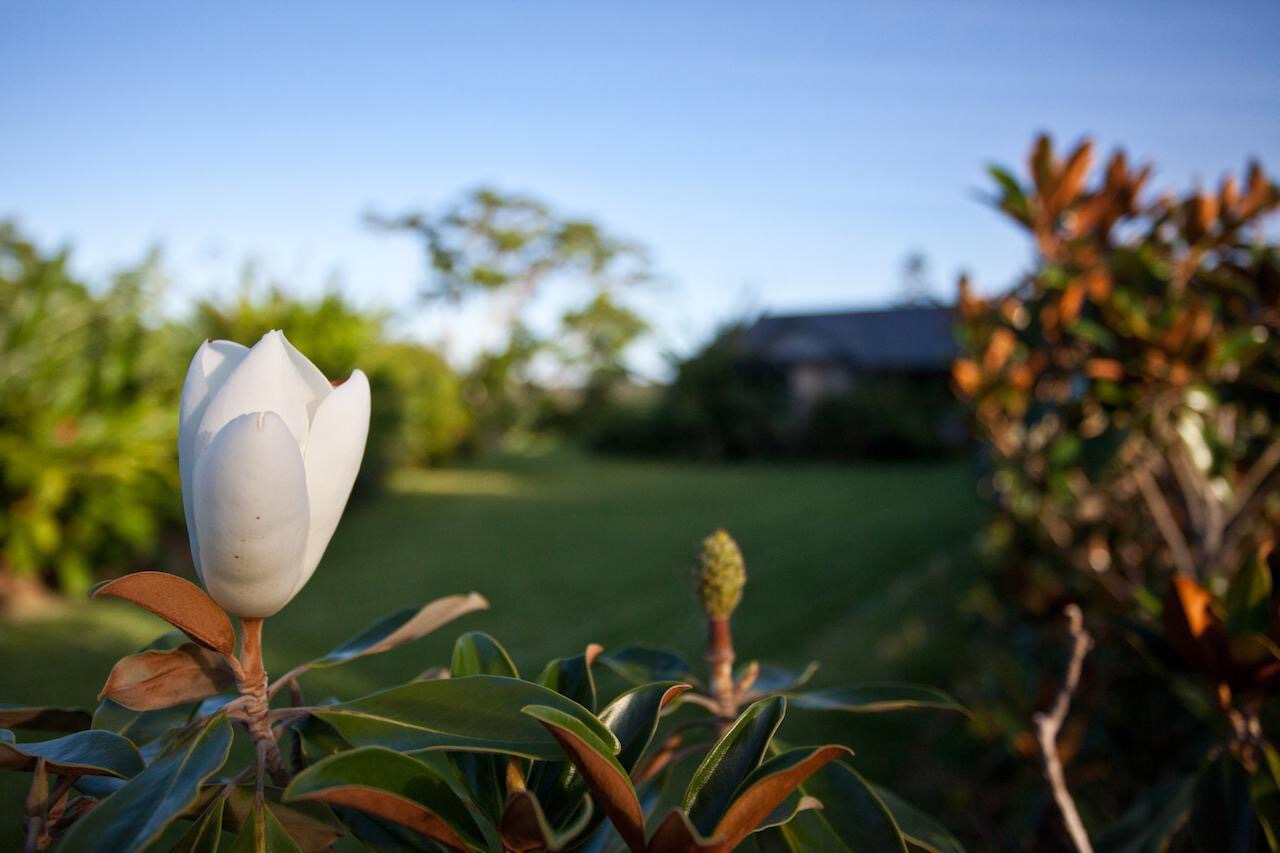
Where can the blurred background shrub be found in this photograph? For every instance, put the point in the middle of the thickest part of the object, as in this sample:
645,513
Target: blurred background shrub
87,426
1126,394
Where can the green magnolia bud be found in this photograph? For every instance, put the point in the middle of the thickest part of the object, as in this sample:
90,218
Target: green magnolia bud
720,575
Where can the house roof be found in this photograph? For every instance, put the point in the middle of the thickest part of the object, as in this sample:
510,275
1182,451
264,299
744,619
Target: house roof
914,338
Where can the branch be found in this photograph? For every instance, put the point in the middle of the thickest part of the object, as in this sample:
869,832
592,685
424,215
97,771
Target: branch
1048,725
1164,519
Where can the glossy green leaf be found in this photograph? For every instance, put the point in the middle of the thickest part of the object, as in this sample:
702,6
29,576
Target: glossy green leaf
633,718
777,679
733,758
205,833
402,627
42,719
475,714
571,677
852,816
641,665
477,653
786,811
1222,816
90,753
390,786
137,813
875,698
141,727
263,834
918,828
485,776
768,787
594,758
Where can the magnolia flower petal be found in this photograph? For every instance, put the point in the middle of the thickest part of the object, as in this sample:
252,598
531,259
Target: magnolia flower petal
334,450
251,514
265,380
318,387
210,367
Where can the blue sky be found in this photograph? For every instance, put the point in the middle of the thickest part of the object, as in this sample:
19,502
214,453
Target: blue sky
773,155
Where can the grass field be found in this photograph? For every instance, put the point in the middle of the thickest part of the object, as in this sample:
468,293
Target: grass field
858,566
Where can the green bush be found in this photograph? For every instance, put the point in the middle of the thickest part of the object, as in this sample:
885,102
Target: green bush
88,474
886,418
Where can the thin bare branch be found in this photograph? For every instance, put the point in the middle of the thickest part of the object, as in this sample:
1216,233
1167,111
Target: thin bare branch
1165,522
1048,725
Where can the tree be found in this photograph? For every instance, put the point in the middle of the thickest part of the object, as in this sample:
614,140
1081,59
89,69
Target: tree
510,248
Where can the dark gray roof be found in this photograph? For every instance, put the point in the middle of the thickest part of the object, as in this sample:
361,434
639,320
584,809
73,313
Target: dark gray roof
915,338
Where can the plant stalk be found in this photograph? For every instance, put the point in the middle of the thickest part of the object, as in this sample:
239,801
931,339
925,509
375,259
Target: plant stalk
253,686
720,659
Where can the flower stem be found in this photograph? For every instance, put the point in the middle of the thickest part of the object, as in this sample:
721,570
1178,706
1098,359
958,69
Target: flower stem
720,658
253,686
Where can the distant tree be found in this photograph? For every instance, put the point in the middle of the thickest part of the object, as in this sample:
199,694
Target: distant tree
916,284
596,339
512,247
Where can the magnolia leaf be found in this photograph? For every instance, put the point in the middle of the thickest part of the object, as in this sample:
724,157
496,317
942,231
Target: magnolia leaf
263,834
179,602
641,665
875,698
44,719
771,783
852,817
391,786
476,653
776,679
135,815
524,826
919,829
205,833
677,835
403,627
733,758
161,679
571,676
87,753
474,714
786,811
633,717
594,759
312,826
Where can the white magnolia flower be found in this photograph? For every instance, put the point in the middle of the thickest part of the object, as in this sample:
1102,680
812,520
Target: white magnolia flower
268,452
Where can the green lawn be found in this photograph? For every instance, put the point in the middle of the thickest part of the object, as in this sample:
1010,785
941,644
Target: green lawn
859,566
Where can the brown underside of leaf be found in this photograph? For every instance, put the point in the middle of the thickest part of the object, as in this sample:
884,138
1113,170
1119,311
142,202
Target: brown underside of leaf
610,787
161,679
676,835
46,719
394,808
522,825
180,603
758,801
432,616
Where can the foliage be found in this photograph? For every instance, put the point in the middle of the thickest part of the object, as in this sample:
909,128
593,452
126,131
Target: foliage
87,433
887,417
719,406
1126,389
510,248
473,756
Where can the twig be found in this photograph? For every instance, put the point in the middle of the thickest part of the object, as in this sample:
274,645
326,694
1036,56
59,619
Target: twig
1164,519
1048,725
257,708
